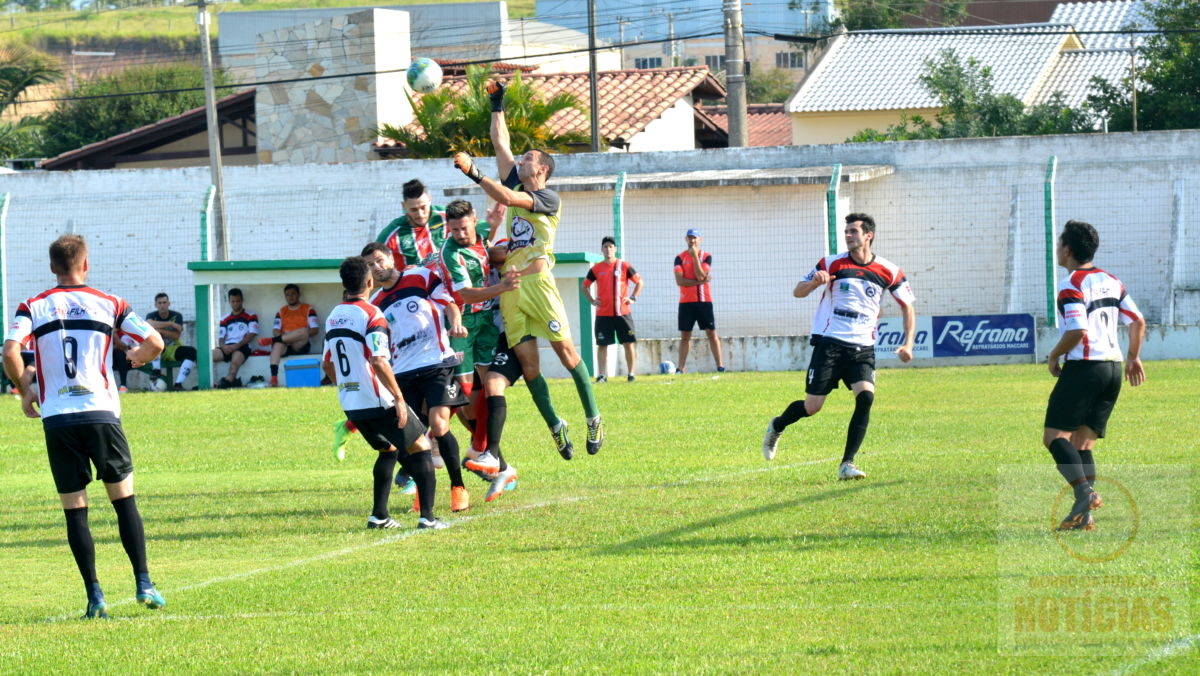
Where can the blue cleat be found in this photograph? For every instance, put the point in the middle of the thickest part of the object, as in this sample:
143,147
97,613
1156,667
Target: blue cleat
96,610
406,484
150,598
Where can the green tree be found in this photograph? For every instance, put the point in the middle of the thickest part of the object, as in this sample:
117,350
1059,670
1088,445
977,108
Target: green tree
21,68
970,107
113,111
1168,86
770,85
452,122
858,15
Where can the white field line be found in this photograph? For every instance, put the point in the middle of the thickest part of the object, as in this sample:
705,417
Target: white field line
408,533
1176,647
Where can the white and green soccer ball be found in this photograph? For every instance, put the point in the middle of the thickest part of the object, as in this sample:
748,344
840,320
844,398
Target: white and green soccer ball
424,75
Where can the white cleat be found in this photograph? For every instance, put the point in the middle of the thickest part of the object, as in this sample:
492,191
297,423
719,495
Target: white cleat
432,524
504,481
373,522
847,471
770,441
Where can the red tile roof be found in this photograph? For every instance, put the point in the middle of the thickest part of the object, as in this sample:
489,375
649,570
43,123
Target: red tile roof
766,123
629,99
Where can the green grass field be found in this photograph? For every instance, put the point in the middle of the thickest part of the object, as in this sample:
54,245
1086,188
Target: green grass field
677,549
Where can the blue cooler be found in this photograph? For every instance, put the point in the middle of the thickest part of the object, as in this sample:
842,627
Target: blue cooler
302,373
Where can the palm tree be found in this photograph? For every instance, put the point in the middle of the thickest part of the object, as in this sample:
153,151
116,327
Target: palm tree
20,69
452,123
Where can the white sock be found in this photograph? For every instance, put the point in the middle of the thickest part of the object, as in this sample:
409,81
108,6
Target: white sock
157,363
185,370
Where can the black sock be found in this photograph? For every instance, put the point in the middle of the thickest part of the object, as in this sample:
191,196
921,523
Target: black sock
133,535
448,447
274,370
497,411
1089,466
420,467
857,430
385,464
79,536
1069,465
791,414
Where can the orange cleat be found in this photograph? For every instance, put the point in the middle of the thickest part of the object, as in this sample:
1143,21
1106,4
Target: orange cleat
459,498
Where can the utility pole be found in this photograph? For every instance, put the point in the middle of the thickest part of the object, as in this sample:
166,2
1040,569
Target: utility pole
220,231
735,73
1133,79
592,88
621,21
673,52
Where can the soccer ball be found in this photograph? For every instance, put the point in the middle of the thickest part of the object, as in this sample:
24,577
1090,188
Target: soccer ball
666,367
158,385
424,75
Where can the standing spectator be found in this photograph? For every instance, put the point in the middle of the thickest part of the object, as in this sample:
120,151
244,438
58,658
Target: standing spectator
237,330
295,323
169,325
693,274
80,408
614,318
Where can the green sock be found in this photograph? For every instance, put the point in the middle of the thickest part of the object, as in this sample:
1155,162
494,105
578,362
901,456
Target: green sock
541,398
583,383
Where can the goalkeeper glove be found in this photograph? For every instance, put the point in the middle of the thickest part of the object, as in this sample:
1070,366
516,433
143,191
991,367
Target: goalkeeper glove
467,166
495,91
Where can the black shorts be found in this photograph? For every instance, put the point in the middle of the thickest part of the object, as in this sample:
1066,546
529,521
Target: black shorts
618,328
505,362
691,314
27,358
431,387
73,449
292,350
832,361
1085,394
383,434
222,357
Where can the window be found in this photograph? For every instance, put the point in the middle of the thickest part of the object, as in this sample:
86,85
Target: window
789,59
715,62
648,62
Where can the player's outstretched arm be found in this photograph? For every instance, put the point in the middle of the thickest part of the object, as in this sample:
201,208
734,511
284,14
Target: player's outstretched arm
1135,373
499,130
474,294
491,187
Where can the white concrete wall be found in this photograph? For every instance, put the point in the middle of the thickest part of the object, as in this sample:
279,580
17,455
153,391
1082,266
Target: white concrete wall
947,214
673,130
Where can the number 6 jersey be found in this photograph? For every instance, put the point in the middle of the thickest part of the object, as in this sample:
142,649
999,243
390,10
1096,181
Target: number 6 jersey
354,332
73,329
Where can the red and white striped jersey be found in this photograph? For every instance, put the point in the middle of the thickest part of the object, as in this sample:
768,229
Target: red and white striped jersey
413,309
1094,300
72,329
355,331
849,308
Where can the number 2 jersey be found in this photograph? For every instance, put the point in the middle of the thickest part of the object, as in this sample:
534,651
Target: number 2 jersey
354,332
1094,300
849,308
73,329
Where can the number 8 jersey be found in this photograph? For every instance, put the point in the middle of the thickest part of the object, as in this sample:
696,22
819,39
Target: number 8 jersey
354,332
73,329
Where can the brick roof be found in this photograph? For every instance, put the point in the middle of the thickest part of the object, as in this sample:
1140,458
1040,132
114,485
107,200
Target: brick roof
767,124
629,99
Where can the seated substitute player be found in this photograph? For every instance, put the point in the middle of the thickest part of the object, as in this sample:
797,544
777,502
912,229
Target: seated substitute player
1090,304
614,310
73,325
357,357
416,238
414,304
295,324
535,309
843,335
693,275
169,325
237,331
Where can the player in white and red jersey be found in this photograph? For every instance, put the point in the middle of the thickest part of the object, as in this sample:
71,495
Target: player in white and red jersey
357,357
73,327
1090,304
414,303
843,336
